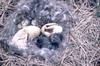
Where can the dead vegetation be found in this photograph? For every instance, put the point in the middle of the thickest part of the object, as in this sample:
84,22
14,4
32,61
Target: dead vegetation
84,38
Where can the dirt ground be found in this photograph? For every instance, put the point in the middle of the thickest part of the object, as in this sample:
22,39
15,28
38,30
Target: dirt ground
84,37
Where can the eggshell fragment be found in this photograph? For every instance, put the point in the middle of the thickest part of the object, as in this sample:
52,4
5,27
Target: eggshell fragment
51,28
33,31
21,38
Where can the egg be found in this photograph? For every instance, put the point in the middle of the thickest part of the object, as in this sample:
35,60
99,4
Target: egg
20,39
51,28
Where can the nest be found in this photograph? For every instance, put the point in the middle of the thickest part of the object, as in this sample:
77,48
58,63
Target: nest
81,43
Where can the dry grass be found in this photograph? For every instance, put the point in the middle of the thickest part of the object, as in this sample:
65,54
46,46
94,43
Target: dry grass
84,41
